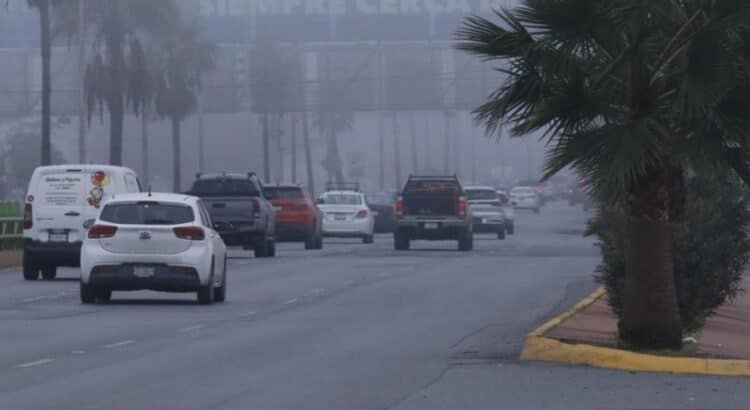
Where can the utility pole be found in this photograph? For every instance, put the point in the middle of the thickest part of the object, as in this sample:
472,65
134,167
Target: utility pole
201,143
381,107
473,135
447,144
427,145
294,120
414,154
396,149
81,75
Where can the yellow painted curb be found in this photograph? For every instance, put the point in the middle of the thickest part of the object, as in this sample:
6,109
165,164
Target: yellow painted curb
538,347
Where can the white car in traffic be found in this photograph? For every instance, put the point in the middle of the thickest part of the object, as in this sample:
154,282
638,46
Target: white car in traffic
346,215
525,197
162,242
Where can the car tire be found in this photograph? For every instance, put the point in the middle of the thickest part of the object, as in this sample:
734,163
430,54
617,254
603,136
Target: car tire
49,272
367,239
311,242
220,293
206,293
501,234
262,248
466,241
401,241
511,229
30,269
319,242
104,295
88,294
272,248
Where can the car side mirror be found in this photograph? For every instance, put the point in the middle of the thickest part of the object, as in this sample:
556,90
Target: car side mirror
88,224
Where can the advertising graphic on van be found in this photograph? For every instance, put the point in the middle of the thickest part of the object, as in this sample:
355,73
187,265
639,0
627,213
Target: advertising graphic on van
62,190
99,180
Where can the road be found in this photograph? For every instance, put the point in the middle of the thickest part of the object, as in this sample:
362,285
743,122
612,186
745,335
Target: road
351,327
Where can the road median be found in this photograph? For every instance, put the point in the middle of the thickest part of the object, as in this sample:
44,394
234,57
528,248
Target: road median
586,335
10,259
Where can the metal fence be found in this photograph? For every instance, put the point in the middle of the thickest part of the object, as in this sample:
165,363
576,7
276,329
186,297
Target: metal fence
11,226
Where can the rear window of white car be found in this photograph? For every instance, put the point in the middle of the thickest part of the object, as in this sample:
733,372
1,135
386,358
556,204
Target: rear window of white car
147,213
480,194
62,190
342,199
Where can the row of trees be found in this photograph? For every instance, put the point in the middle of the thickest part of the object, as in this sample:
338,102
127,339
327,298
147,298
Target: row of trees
633,95
144,58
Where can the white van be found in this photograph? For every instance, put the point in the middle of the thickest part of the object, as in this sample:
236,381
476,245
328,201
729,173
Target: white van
60,201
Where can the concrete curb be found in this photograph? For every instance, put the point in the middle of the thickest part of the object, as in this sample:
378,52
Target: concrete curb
539,347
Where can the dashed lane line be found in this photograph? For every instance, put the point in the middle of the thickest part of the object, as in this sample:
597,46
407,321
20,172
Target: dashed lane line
119,344
191,328
35,363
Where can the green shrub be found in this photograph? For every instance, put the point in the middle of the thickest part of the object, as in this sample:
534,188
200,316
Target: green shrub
710,249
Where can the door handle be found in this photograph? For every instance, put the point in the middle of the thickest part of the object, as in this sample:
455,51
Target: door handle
73,213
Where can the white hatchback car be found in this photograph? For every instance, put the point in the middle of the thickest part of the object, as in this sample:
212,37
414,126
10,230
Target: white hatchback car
525,197
163,242
347,215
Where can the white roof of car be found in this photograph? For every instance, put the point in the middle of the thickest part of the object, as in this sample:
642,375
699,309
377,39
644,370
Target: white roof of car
342,193
157,196
82,167
480,188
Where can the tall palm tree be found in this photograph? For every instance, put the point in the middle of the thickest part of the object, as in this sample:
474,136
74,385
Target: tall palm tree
630,93
121,29
45,30
187,58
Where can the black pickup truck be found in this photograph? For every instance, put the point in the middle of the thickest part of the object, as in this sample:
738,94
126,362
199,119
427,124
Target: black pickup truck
433,208
240,211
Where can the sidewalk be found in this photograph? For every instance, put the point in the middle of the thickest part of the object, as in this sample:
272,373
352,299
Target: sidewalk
726,334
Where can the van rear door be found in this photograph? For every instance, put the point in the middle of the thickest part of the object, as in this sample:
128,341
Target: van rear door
59,206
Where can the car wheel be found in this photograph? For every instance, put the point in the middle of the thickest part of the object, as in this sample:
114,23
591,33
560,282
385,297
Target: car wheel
319,242
311,242
220,293
511,229
368,239
401,241
30,269
466,241
206,293
501,234
262,248
49,272
104,295
88,294
272,248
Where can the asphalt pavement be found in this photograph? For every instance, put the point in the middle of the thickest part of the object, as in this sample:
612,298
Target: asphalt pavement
353,326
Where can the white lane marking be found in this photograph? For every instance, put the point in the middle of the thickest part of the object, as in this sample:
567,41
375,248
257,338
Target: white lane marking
348,283
78,352
34,299
291,301
190,328
250,313
318,291
118,344
35,363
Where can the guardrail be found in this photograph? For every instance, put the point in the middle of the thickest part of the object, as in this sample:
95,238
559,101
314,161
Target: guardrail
11,233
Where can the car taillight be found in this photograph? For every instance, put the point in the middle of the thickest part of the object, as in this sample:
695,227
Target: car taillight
102,231
362,214
399,208
28,217
462,207
190,233
256,208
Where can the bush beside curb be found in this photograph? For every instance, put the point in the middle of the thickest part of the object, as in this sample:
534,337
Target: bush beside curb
539,347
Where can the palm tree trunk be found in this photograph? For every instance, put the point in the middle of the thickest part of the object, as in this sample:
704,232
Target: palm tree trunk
381,147
176,151
414,153
146,168
46,39
294,147
116,124
308,154
650,315
266,149
396,150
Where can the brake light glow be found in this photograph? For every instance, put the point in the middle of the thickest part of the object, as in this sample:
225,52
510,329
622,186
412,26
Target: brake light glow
190,233
362,214
462,207
399,208
256,208
28,217
102,231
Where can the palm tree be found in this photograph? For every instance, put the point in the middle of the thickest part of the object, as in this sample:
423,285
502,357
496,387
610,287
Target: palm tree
333,117
187,58
45,26
111,79
630,93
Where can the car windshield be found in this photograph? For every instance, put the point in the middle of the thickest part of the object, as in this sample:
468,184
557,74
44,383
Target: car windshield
224,187
480,194
342,199
147,213
283,192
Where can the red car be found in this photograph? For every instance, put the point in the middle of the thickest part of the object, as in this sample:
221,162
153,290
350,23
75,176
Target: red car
298,219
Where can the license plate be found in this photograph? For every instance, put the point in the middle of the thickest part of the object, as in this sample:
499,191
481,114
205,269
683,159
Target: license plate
340,218
58,237
143,271
431,225
485,221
